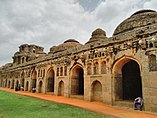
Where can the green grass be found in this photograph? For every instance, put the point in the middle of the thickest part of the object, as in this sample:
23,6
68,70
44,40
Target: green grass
17,106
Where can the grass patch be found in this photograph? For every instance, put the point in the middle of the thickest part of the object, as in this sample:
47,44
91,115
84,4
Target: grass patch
17,106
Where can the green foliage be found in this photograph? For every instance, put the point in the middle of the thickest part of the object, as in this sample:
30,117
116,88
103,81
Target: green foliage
17,106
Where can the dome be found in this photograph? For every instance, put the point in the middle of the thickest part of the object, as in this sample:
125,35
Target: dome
99,32
71,40
70,43
97,35
138,19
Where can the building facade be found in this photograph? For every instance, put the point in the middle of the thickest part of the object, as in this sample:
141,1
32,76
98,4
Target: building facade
105,69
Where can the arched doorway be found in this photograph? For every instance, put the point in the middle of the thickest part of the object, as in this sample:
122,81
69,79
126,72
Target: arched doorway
131,81
96,91
22,80
17,83
34,80
9,84
6,82
127,79
50,80
12,85
61,88
40,86
27,85
77,80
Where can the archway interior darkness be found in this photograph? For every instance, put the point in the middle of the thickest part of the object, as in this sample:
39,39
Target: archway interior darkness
34,78
50,83
22,82
17,83
34,83
27,85
9,84
12,86
40,86
131,81
77,81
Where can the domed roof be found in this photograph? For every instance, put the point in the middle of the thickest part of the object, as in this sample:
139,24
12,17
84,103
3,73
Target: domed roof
71,40
97,35
138,19
70,43
98,32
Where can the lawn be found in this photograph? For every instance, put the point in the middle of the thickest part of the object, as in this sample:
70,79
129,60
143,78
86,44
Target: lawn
17,106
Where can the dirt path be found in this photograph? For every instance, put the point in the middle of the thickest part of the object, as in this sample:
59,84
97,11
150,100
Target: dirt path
91,106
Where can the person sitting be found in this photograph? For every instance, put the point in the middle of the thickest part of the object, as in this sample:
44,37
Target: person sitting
138,101
33,90
22,88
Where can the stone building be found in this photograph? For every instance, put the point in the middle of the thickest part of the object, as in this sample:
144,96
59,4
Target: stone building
109,70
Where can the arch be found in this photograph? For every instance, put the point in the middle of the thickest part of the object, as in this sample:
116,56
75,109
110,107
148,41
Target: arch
96,68
17,82
96,91
34,79
23,59
77,80
57,71
103,67
152,62
9,84
89,69
50,80
127,79
12,85
151,45
22,82
6,82
40,87
22,79
61,88
27,85
61,71
65,70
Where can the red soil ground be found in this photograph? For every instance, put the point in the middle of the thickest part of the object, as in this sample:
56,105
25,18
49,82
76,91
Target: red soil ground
91,106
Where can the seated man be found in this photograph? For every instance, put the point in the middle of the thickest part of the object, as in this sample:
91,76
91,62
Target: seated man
138,101
33,90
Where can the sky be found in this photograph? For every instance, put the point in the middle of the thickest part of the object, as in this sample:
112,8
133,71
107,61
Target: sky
49,23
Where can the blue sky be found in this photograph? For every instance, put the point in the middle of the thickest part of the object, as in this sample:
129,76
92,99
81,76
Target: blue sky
50,22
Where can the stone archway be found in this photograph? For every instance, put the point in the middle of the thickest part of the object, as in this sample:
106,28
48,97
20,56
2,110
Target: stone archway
12,84
61,88
6,82
40,87
22,79
27,85
22,82
17,83
131,81
34,80
127,79
77,80
50,80
96,91
9,83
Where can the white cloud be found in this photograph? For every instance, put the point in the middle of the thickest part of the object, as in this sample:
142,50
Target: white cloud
151,4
